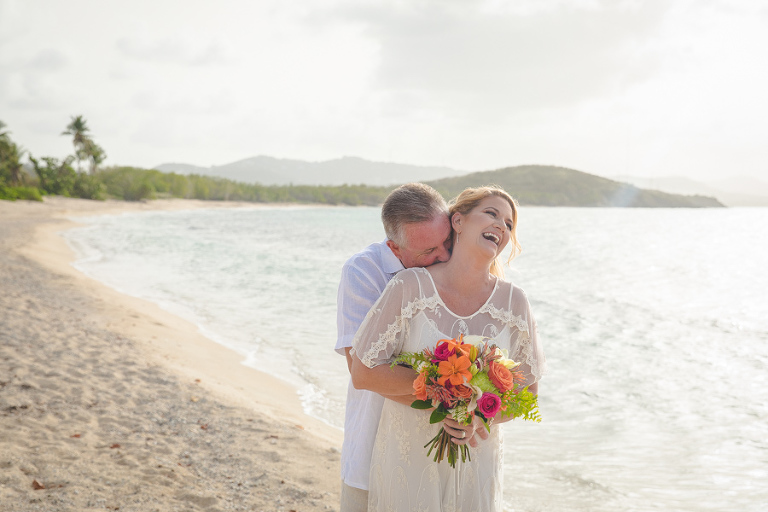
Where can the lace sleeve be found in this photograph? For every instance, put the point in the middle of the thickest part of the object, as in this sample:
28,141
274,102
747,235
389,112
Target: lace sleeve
382,332
533,356
525,344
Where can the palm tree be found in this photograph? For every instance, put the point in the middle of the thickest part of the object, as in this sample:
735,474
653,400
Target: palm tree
78,129
11,156
94,153
5,139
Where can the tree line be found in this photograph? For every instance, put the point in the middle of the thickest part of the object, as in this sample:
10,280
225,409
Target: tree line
134,184
54,176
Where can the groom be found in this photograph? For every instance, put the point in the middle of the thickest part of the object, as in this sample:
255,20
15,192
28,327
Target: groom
415,219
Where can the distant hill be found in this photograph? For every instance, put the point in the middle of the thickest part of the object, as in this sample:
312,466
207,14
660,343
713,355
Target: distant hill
735,191
542,185
531,184
267,170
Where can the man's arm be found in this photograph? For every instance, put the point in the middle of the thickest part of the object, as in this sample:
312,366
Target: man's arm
403,399
357,294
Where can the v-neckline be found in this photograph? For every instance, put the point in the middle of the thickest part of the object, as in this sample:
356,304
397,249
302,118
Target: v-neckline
440,299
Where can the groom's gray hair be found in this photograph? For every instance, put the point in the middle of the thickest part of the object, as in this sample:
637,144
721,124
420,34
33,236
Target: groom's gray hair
408,204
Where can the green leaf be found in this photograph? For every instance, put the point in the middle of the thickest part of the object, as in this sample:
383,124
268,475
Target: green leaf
422,404
438,415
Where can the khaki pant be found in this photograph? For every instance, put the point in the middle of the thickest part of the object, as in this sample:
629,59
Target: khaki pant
353,499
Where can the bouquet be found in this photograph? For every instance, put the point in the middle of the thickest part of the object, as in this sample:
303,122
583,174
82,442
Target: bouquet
466,377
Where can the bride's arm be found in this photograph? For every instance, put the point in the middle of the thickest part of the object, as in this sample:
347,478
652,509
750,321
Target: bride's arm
533,388
477,428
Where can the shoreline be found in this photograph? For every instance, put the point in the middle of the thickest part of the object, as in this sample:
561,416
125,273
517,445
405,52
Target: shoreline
165,334
163,340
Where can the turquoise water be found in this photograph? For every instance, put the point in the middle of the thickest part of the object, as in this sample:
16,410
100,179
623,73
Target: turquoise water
654,324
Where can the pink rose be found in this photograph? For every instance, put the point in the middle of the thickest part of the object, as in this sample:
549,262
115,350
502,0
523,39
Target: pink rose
489,404
442,352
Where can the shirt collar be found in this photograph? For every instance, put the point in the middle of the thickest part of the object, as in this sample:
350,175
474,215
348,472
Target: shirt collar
390,263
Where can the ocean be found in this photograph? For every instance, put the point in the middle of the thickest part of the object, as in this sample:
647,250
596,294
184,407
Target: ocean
654,323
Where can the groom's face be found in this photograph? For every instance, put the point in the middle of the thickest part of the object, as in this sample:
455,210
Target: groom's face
426,243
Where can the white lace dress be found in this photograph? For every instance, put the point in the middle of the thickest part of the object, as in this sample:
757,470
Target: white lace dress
409,317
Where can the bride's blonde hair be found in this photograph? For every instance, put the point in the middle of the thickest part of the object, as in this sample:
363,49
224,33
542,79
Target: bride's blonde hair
468,201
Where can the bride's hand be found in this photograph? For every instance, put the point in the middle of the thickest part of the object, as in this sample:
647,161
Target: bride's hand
460,434
465,434
481,430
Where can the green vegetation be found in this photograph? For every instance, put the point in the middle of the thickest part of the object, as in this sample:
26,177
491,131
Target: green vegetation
58,177
14,182
54,177
85,147
14,193
134,184
540,185
531,184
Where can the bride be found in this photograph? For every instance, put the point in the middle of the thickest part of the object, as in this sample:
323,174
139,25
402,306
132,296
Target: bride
467,295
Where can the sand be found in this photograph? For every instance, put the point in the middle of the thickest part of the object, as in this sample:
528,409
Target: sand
107,402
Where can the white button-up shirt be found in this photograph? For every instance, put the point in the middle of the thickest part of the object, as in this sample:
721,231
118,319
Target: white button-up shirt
363,279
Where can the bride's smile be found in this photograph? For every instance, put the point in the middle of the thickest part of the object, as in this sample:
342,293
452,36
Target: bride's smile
489,224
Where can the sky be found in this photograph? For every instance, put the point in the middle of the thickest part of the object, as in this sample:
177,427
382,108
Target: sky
645,88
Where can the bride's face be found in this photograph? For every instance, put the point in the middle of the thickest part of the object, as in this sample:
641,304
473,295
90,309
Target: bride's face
486,227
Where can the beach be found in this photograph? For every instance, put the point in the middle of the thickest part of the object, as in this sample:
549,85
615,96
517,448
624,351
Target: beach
109,402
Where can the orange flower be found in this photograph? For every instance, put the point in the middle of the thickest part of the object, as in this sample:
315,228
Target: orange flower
459,346
462,392
455,370
500,376
420,386
464,349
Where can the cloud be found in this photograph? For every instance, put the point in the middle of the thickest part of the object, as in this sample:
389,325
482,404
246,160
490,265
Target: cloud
27,91
168,51
24,77
180,104
48,60
461,56
8,29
